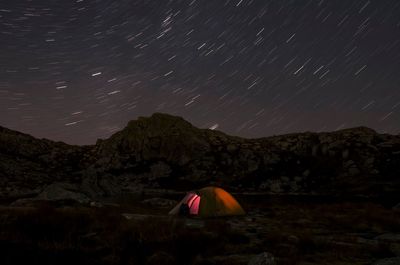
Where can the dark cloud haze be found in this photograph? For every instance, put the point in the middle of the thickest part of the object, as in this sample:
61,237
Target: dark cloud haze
80,70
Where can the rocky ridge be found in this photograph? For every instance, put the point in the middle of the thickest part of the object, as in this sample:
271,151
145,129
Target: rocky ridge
167,152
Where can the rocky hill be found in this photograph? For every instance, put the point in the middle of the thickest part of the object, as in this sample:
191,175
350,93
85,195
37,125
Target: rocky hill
167,152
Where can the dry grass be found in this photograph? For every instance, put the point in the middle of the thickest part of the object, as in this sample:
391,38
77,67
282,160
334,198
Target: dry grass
296,233
102,236
327,233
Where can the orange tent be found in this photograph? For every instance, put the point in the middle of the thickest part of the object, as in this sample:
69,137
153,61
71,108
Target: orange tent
208,202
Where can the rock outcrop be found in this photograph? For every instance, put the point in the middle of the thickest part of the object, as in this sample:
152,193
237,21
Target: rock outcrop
167,152
264,258
389,261
57,192
28,164
160,202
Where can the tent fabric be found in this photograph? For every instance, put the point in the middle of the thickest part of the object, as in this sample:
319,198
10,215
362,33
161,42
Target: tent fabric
209,202
194,204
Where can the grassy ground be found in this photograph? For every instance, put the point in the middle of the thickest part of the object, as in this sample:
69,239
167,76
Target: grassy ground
326,233
295,232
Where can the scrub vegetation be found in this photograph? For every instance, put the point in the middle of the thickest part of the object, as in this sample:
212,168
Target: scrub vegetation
294,232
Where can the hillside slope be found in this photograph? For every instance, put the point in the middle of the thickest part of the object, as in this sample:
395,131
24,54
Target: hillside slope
164,151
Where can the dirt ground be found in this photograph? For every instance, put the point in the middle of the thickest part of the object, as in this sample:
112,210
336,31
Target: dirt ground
295,231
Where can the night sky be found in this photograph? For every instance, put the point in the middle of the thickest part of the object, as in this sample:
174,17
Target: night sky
79,70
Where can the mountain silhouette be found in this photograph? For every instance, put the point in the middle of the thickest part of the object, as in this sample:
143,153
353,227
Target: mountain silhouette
167,152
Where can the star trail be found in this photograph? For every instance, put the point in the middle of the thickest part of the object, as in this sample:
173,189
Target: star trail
77,71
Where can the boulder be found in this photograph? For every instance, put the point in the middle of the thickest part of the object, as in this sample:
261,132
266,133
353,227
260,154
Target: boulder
26,202
354,171
392,241
160,170
160,202
276,187
389,237
389,261
63,191
96,204
96,184
345,154
234,259
264,258
161,258
231,148
56,192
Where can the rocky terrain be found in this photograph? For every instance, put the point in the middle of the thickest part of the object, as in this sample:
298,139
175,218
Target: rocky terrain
167,152
310,198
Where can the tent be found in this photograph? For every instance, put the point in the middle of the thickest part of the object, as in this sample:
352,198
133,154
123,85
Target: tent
208,202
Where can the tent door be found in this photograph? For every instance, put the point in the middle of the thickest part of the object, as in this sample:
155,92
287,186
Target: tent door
194,204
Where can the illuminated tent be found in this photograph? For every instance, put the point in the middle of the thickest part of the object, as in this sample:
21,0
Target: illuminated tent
208,202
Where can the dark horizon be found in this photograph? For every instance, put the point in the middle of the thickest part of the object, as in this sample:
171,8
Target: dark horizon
267,136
